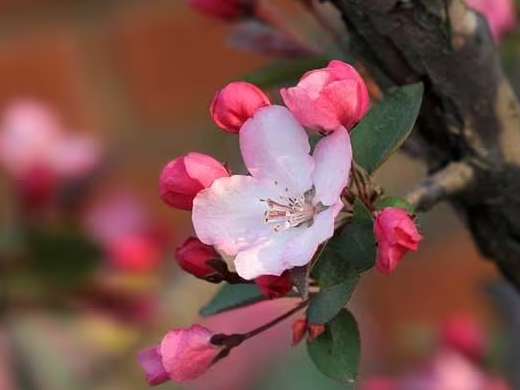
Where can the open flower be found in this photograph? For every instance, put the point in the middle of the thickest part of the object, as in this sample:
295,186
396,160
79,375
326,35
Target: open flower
276,218
183,355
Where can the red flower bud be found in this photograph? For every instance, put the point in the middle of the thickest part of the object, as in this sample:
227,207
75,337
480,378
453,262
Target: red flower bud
135,253
463,334
315,331
235,104
182,178
275,286
396,234
299,328
227,10
193,257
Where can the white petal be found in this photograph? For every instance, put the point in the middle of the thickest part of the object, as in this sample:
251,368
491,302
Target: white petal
266,257
301,249
230,213
333,158
276,147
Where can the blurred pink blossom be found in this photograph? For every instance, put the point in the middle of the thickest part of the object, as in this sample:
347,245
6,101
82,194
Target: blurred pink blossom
500,14
132,239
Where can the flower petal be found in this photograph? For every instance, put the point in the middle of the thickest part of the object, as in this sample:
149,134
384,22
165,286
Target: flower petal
230,213
299,250
333,158
276,147
265,258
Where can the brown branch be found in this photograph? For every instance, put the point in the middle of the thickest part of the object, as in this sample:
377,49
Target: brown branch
469,112
457,177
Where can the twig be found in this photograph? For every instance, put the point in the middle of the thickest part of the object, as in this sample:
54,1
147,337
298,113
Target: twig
453,179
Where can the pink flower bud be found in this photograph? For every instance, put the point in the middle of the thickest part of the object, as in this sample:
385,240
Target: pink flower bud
235,104
299,329
396,234
227,10
326,99
464,335
193,257
184,354
182,178
275,286
500,15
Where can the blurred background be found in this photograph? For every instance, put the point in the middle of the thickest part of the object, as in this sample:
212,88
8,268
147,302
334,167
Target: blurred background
137,77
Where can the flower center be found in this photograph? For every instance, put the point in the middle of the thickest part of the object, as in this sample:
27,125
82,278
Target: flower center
290,212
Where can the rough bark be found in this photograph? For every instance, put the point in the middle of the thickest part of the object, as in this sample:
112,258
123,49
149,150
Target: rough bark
470,115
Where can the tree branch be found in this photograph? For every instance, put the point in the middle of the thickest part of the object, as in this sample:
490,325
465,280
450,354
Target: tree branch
469,112
457,177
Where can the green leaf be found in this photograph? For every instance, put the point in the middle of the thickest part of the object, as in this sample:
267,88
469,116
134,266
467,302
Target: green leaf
337,352
386,126
352,250
399,203
232,296
330,300
284,71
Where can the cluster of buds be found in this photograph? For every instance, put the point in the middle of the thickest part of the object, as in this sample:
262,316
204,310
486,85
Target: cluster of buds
263,225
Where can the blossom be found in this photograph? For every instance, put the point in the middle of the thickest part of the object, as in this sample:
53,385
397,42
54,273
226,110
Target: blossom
329,98
276,218
500,14
38,154
183,355
121,224
227,10
275,286
235,104
193,257
182,178
396,234
464,335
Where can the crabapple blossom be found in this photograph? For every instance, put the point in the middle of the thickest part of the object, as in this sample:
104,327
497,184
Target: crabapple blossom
193,257
276,218
396,234
329,98
38,154
233,105
500,14
227,10
275,286
132,240
183,355
182,178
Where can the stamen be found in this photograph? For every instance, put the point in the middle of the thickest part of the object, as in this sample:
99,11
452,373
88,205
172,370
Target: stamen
290,212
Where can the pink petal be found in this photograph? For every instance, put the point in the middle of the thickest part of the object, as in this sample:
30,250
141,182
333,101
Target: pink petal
75,156
187,353
230,214
150,360
333,158
265,258
311,112
299,250
275,147
204,168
